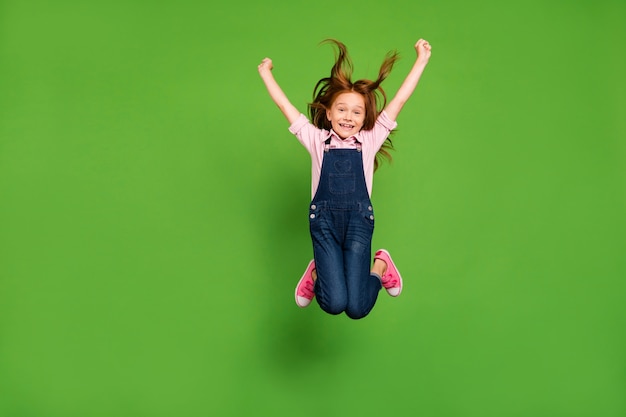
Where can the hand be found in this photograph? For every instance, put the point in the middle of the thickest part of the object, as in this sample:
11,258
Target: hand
423,50
265,65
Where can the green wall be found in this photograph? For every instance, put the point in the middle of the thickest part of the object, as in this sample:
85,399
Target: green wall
153,214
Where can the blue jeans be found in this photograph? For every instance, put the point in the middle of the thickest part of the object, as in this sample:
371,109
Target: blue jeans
342,248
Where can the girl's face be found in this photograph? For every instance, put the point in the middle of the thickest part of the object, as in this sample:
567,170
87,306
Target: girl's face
347,114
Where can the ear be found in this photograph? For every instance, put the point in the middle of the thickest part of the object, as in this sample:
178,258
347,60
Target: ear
328,114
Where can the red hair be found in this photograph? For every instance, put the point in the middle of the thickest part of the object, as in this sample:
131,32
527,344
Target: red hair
340,81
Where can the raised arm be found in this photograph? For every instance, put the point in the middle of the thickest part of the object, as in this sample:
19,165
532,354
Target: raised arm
281,100
422,48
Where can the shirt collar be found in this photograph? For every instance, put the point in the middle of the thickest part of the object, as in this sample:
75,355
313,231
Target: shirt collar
351,139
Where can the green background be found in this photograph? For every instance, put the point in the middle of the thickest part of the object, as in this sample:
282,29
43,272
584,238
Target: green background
153,214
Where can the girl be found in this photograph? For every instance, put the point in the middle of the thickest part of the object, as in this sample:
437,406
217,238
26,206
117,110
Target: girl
349,127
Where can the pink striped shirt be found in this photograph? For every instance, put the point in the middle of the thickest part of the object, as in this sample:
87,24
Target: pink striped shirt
313,140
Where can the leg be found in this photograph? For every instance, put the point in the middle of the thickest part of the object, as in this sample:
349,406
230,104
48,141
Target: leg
379,267
363,287
330,284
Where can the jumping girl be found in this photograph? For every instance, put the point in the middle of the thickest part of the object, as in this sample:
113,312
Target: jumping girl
349,128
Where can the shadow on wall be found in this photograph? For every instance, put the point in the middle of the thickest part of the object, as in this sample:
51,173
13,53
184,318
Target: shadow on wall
294,339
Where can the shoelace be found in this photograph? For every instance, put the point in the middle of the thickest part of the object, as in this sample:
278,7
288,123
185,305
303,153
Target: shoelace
306,290
389,281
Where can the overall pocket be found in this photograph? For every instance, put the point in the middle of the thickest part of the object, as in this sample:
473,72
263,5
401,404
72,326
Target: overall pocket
341,184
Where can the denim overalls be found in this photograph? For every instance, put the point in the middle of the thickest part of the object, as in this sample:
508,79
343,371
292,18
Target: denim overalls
341,221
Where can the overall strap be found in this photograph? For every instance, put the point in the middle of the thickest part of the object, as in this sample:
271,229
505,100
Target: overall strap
327,144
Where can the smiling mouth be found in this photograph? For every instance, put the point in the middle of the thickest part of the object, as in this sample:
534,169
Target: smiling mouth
345,126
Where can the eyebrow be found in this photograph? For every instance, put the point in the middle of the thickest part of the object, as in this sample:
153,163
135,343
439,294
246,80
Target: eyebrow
341,103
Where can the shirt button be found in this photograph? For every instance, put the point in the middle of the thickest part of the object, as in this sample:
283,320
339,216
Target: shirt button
312,216
313,206
371,217
369,208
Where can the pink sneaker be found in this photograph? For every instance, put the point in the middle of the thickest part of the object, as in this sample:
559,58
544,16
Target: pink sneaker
392,281
304,289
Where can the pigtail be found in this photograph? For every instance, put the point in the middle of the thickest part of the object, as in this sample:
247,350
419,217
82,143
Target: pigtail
327,88
385,69
343,68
